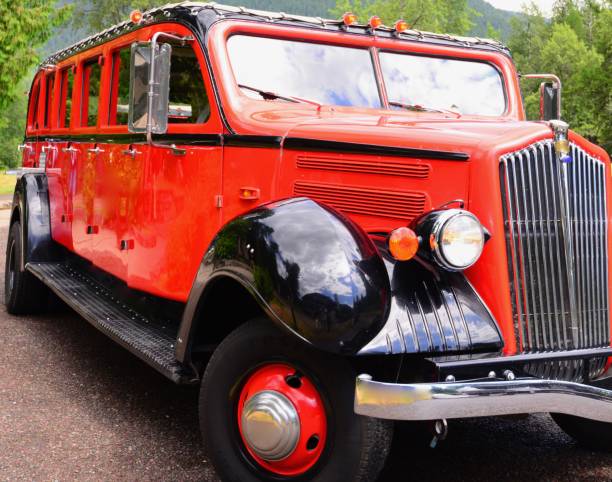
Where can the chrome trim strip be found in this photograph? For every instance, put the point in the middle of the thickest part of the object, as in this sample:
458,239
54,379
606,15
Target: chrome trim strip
434,401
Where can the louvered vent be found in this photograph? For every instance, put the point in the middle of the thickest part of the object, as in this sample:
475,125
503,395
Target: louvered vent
403,205
389,168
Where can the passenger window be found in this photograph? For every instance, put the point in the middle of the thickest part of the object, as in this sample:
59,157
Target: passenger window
49,82
188,100
33,114
120,85
92,73
65,107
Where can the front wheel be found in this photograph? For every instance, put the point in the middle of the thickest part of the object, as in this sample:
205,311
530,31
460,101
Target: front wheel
590,433
23,293
272,408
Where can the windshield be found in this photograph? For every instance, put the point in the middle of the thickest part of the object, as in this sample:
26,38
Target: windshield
463,86
320,73
290,71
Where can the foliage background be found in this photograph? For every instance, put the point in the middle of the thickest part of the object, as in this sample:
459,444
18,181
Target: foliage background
576,44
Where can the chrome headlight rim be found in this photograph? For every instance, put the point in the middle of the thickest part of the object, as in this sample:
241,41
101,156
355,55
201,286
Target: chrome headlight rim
443,219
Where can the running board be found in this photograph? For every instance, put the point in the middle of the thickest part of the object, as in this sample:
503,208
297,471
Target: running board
90,299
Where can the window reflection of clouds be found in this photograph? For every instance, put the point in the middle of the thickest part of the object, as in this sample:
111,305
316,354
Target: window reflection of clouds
322,73
472,87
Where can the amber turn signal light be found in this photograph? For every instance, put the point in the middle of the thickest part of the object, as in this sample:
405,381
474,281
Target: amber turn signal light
401,26
403,244
375,22
136,16
349,19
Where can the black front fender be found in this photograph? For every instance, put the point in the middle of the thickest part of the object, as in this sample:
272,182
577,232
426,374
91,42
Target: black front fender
311,270
31,208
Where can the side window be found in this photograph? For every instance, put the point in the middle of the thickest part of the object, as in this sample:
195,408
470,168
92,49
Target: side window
65,106
33,111
188,100
92,73
120,88
49,83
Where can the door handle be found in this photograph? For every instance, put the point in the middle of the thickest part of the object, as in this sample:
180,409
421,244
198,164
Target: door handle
95,150
177,151
49,148
24,147
131,153
69,149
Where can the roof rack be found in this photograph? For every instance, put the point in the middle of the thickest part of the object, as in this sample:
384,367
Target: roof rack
193,8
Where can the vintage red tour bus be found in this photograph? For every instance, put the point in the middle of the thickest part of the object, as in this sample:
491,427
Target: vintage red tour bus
328,225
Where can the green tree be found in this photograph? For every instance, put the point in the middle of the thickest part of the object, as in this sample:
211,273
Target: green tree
576,44
580,68
447,16
11,133
24,26
96,15
493,33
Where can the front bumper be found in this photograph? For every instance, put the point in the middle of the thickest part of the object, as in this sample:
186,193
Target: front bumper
434,401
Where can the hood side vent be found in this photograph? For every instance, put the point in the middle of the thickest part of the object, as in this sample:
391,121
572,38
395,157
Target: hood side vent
365,165
405,205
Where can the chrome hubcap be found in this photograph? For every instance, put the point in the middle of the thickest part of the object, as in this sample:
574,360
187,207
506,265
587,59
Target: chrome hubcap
270,425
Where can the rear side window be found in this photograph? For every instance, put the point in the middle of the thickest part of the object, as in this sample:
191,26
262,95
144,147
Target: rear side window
120,85
92,73
188,100
33,111
49,83
65,106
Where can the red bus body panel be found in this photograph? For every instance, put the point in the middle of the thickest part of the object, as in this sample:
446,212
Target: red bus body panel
148,219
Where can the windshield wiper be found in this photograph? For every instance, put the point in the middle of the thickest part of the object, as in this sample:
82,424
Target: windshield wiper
422,108
267,95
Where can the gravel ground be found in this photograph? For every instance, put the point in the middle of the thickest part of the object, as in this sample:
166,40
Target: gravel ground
74,406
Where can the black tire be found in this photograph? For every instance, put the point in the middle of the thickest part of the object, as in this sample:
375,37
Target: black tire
23,293
589,433
356,447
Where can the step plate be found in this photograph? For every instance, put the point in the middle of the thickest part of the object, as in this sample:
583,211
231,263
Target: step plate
151,343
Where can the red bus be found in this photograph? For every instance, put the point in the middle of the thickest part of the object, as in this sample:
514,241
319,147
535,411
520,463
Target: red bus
328,225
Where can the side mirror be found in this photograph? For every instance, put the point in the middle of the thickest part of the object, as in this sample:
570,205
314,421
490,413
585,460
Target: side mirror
149,87
550,95
549,101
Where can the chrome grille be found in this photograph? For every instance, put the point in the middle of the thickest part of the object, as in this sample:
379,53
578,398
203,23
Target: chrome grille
557,237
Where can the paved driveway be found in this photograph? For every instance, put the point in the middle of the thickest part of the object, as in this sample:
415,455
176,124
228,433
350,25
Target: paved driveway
73,405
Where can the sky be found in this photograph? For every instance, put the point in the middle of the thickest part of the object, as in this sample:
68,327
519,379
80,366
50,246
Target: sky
515,5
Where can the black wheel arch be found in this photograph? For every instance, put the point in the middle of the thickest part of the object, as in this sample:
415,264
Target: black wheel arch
308,268
31,208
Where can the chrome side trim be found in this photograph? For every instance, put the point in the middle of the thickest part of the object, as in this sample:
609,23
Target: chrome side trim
434,401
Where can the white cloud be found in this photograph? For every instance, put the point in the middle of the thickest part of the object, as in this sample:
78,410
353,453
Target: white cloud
516,5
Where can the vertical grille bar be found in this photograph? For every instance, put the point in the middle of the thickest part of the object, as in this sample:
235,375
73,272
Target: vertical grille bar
557,237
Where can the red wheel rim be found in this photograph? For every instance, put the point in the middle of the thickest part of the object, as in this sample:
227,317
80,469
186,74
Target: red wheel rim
305,400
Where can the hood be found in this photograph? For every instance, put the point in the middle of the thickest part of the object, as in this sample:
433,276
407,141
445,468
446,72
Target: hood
450,135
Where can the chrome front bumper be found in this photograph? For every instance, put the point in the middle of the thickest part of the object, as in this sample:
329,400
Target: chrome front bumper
434,401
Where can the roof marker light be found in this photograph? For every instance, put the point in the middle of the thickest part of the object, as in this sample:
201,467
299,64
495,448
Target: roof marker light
401,26
136,16
349,19
375,22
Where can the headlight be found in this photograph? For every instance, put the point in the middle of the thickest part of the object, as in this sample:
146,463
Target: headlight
457,239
